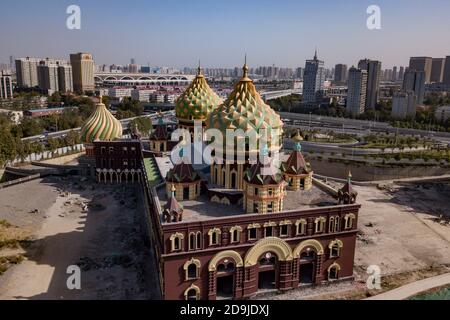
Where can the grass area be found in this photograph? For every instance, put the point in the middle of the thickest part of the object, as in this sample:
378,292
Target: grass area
441,293
153,174
388,282
385,141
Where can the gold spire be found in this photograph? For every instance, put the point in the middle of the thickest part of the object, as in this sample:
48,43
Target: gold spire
199,69
245,70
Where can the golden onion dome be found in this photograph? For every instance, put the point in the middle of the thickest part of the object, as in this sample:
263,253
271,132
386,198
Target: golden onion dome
101,125
197,101
245,109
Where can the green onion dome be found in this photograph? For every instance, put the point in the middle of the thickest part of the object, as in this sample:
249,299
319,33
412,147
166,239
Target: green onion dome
245,109
197,101
101,125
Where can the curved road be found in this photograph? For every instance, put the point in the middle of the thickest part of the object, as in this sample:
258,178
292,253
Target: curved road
413,289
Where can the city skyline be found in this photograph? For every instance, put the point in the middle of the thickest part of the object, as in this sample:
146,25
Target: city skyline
178,34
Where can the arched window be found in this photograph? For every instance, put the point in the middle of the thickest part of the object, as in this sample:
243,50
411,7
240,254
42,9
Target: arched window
349,220
192,238
176,241
337,226
285,228
192,269
214,235
235,234
333,271
253,231
192,293
199,240
331,224
320,224
300,227
335,248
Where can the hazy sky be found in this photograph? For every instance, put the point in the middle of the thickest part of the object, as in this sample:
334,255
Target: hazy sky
219,32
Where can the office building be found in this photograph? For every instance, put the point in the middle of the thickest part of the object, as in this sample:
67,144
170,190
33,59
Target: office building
422,64
82,72
415,81
6,86
446,77
357,86
437,70
404,105
313,80
373,69
26,72
340,74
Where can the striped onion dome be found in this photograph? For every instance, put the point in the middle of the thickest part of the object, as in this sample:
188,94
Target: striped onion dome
101,125
245,109
197,101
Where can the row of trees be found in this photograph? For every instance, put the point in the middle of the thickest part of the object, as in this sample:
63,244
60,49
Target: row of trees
12,146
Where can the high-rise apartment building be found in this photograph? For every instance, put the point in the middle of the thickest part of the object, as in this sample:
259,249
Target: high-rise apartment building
48,76
415,81
437,70
313,80
401,73
65,78
357,86
26,72
394,74
82,71
373,69
446,77
404,104
6,86
422,64
340,74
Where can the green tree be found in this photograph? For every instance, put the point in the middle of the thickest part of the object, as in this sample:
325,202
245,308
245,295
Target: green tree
7,146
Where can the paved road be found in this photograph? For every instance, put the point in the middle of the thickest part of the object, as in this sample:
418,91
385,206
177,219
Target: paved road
414,288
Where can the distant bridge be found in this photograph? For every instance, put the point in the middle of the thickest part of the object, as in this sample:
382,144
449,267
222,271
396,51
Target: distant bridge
136,79
271,95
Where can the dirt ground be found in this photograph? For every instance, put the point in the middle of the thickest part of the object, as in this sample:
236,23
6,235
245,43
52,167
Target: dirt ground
404,230
74,222
399,228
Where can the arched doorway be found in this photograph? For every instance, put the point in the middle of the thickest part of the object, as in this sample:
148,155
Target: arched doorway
267,271
225,267
225,280
307,267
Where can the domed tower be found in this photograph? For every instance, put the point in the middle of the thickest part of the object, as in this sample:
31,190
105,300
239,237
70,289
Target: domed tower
159,137
183,181
296,171
347,195
244,109
263,187
196,103
102,126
